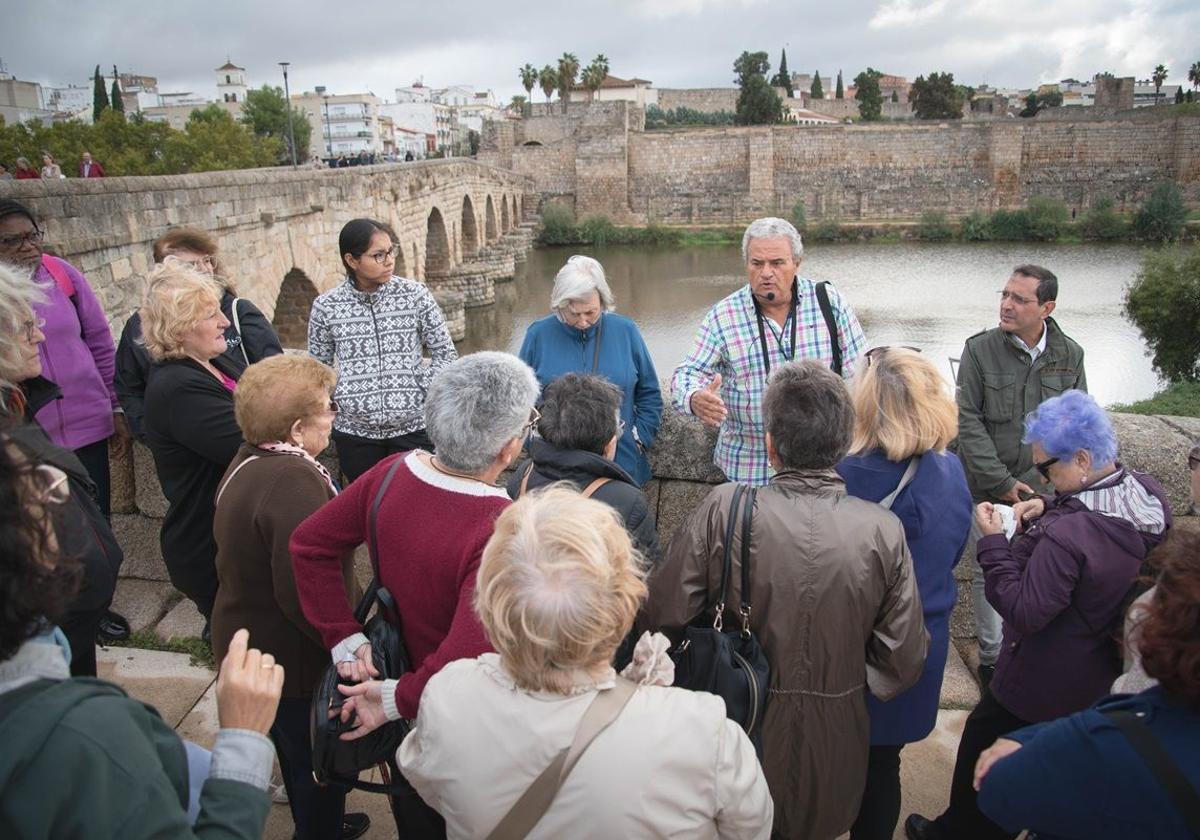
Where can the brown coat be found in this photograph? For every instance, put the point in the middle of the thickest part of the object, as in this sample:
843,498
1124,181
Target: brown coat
257,513
836,608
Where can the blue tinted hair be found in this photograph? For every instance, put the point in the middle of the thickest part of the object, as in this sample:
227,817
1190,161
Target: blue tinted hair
1071,422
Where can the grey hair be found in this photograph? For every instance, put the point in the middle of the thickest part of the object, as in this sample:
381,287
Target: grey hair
476,405
771,227
18,294
808,414
576,280
579,411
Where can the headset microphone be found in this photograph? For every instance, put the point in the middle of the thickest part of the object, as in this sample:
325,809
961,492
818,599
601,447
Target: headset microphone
770,296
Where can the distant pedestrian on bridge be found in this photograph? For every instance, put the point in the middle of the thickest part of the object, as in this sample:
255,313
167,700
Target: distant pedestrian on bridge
89,168
777,317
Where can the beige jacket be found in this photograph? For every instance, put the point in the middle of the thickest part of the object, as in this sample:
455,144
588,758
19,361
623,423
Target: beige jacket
671,765
836,609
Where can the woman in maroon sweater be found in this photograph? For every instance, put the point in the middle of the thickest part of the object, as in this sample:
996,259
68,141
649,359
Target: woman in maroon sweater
433,523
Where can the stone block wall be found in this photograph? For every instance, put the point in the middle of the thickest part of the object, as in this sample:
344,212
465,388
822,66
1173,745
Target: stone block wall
705,100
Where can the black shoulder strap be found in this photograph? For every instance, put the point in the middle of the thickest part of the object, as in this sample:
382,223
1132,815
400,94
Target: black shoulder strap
727,560
1178,789
368,598
830,324
747,522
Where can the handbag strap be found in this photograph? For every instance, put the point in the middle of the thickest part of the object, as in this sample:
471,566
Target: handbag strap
727,559
596,484
909,471
537,798
236,470
835,344
373,538
747,522
525,478
1176,785
237,328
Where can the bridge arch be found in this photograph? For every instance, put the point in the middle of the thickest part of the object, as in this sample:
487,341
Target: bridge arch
292,306
470,228
437,245
489,224
504,223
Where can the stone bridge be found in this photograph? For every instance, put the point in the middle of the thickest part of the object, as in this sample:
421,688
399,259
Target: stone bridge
459,224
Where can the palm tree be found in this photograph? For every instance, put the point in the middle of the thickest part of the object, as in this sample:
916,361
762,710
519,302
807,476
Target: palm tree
1160,76
1194,75
594,74
518,104
529,78
568,69
547,81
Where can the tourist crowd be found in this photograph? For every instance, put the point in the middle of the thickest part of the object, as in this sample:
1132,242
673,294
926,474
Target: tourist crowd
515,552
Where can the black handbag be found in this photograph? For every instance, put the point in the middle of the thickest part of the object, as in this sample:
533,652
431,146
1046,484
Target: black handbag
729,663
339,762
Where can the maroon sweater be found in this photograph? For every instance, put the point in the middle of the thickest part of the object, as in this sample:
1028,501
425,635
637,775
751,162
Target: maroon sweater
432,530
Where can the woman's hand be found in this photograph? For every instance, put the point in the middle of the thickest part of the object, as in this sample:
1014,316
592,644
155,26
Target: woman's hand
365,702
248,686
988,519
361,668
1001,749
1027,511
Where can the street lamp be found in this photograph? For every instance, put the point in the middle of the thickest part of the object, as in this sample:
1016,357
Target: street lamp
287,99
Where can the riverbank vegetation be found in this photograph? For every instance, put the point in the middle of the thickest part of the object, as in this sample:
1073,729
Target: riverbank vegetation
1164,303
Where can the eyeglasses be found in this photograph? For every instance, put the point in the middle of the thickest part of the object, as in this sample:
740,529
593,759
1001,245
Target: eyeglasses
620,427
534,417
31,327
49,485
875,353
1005,294
382,257
33,237
1043,467
332,408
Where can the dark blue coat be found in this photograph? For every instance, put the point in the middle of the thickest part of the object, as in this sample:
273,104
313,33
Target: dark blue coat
936,511
553,348
1078,777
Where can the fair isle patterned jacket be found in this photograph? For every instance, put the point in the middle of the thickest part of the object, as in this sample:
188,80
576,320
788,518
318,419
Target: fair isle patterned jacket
377,341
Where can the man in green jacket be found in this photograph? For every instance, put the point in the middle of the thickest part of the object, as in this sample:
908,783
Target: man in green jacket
1005,373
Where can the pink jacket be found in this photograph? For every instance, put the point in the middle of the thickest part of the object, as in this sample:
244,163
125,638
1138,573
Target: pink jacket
77,355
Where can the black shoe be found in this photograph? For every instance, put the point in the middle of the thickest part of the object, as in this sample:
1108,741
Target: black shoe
355,825
985,676
113,628
917,827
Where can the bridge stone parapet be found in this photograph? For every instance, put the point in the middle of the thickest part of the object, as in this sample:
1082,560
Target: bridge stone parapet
276,228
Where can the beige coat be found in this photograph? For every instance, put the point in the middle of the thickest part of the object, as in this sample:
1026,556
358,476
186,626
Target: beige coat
671,765
836,609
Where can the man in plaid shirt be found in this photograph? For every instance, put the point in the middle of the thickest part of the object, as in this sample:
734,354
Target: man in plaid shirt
774,319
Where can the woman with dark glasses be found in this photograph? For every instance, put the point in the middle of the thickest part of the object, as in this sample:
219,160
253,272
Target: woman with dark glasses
1061,586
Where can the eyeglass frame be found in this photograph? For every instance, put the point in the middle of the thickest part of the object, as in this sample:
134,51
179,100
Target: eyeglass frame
1019,300
883,348
16,240
54,488
1043,467
380,257
32,324
534,417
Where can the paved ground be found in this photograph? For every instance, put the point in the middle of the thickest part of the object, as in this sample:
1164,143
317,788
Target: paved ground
184,695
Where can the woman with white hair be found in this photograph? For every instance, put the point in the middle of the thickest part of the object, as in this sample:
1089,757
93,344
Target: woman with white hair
434,518
584,335
558,589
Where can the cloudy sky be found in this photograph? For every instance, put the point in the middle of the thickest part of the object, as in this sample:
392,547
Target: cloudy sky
361,45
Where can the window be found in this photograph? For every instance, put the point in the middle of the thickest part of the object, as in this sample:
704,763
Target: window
228,80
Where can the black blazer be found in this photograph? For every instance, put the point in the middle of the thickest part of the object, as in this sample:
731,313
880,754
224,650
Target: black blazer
192,433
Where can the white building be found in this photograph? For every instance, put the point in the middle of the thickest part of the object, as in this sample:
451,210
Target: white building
615,89
345,123
425,118
231,82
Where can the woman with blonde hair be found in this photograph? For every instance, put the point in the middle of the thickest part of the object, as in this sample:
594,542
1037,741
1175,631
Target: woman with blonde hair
904,419
190,425
558,588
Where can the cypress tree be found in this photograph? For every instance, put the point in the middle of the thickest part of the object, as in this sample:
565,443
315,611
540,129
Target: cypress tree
841,92
99,95
816,91
784,79
118,104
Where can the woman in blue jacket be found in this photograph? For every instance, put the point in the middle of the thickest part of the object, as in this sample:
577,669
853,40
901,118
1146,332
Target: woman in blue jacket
584,335
903,417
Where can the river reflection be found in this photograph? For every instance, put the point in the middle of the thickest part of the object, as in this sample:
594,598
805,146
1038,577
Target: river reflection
932,296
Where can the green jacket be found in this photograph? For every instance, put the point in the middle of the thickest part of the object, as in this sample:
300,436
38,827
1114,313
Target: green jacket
83,760
997,387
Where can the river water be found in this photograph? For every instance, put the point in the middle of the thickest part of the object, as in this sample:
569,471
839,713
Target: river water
929,295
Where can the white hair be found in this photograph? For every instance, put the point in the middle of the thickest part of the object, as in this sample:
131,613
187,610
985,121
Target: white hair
771,227
18,294
476,405
576,280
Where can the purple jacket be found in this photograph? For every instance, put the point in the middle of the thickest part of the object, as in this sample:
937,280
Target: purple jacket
1061,587
77,355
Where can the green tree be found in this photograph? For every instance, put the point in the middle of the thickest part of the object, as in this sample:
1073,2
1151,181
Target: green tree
518,104
265,112
529,80
1163,215
783,78
1164,303
1179,95
99,95
594,74
870,99
1032,106
568,69
213,140
117,104
936,98
547,81
841,91
758,103
816,91
1159,76
1194,75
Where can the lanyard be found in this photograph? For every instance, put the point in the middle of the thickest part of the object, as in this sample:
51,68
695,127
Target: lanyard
762,331
596,352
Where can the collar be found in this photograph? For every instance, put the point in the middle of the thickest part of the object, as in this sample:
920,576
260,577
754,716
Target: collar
43,657
367,298
39,392
451,483
555,463
581,681
809,479
1039,348
582,336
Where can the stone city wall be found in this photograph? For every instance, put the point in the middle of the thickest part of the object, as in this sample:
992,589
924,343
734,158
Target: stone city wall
705,100
277,229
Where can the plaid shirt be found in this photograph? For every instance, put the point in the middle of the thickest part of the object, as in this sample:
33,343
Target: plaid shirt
728,344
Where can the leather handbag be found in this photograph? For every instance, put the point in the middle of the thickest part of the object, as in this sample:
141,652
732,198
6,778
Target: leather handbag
729,663
339,762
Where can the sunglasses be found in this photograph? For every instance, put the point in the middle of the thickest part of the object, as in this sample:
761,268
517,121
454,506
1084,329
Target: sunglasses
1043,467
534,417
876,353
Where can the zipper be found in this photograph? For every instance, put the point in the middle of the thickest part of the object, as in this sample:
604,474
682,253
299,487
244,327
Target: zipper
745,666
